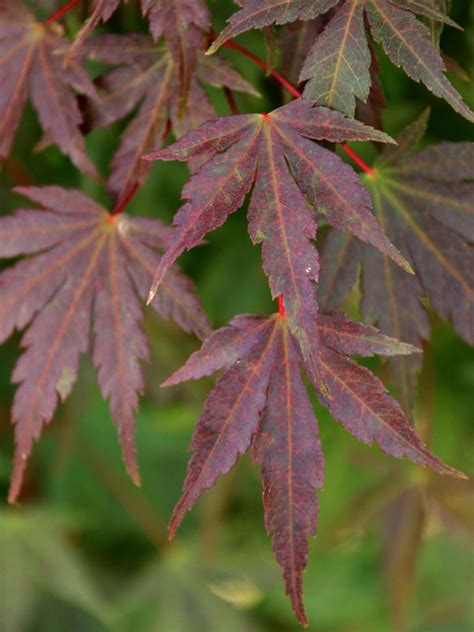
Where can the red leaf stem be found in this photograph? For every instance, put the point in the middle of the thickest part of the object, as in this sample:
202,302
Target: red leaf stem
244,51
357,159
60,12
125,201
229,95
281,305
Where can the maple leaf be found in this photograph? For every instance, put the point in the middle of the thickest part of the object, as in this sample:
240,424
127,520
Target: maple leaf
181,22
147,77
337,67
425,203
260,402
290,173
31,64
296,40
87,267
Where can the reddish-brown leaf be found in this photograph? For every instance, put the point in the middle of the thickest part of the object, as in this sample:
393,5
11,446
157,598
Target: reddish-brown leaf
260,401
88,267
360,402
230,417
147,77
289,171
181,22
31,65
288,448
342,334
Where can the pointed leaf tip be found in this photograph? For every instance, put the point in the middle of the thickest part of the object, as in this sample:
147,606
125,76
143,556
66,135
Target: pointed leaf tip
180,510
133,472
151,296
453,472
19,467
212,49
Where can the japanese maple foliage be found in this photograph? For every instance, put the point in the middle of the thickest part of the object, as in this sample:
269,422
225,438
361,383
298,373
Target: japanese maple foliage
147,76
424,201
32,56
79,275
274,153
181,22
337,65
87,267
260,402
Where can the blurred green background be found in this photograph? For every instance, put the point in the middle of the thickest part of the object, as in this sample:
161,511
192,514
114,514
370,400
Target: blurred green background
86,551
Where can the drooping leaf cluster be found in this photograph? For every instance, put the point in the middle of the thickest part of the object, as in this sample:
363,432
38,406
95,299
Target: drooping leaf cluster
81,273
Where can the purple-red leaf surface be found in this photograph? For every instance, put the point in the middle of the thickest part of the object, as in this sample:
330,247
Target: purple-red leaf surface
425,203
183,24
292,177
32,66
260,402
86,275
147,77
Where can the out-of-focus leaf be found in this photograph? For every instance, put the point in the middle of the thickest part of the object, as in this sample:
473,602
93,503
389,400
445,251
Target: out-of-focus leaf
147,77
181,592
35,556
31,64
181,22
